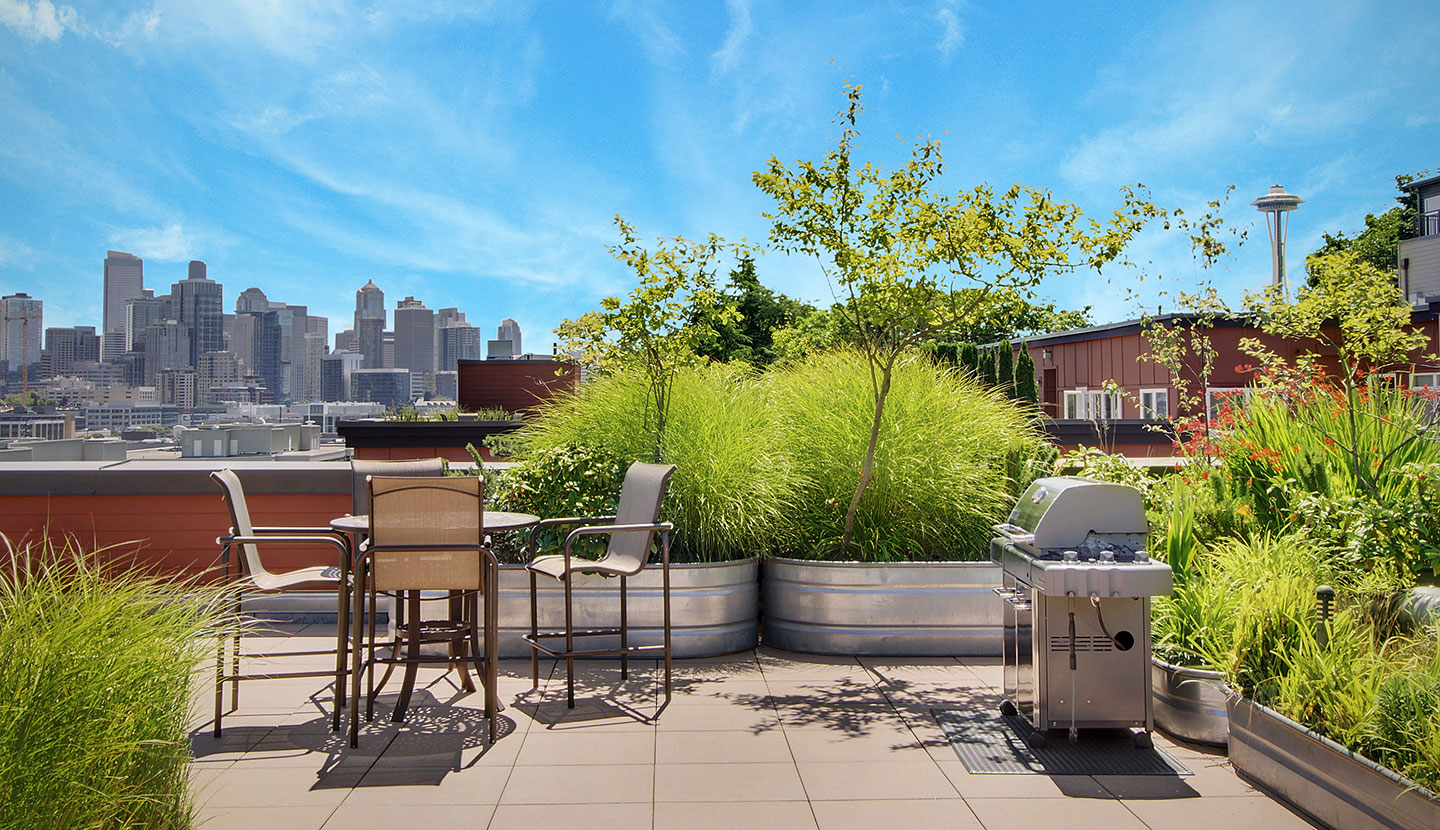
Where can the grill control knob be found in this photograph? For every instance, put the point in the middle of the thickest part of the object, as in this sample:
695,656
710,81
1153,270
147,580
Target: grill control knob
1142,556
1107,556
1070,556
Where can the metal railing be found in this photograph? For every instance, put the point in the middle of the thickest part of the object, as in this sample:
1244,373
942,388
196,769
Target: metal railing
1428,223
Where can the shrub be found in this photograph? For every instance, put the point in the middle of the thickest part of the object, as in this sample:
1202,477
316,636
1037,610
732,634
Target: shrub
734,482
95,672
944,451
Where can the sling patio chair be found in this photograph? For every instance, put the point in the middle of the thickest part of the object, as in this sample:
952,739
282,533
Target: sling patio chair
248,573
426,534
361,469
632,532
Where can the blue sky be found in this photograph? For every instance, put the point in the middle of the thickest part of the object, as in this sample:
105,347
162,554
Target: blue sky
475,154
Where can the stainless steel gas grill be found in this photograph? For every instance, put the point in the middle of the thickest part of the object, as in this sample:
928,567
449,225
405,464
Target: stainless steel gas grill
1077,587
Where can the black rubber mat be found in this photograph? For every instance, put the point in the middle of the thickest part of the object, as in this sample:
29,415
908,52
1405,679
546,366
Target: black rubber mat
992,744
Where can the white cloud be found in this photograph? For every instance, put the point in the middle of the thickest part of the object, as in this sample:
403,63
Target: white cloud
727,57
41,20
952,33
171,243
15,252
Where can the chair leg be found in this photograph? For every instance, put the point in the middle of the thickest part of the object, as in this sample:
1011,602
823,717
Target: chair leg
624,632
356,652
457,647
534,632
235,656
341,657
492,649
665,591
219,680
370,665
569,646
412,658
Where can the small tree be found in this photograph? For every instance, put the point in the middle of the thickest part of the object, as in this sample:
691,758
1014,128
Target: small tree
1005,368
657,326
1025,388
900,253
970,358
989,373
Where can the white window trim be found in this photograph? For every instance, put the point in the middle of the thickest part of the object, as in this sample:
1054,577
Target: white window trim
1431,380
1212,405
1090,405
1148,411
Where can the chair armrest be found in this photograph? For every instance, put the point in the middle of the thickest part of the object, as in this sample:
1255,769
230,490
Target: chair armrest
295,531
597,530
340,544
568,520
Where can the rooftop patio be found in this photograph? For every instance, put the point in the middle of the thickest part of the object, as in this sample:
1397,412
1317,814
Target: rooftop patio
762,738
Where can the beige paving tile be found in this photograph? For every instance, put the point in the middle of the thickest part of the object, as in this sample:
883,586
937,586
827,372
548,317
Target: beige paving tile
877,742
780,665
587,816
1256,812
716,717
271,818
911,814
1214,778
746,690
728,782
363,816
603,784
586,747
885,780
728,815
735,747
553,714
1021,786
419,786
277,787
1070,813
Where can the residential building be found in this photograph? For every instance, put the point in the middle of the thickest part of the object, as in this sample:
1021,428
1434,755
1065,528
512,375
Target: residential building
514,385
216,369
21,325
124,280
310,365
1419,257
178,387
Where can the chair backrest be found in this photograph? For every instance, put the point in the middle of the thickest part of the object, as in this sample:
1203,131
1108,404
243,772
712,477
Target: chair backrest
411,518
363,469
640,498
240,522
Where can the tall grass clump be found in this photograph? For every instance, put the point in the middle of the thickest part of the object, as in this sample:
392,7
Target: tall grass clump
95,669
941,462
734,484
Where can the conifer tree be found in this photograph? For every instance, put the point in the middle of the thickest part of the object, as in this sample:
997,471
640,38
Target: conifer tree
1025,387
1005,368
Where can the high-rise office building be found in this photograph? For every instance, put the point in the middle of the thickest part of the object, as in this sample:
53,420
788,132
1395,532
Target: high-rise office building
216,369
271,335
167,346
370,324
346,341
21,326
242,339
140,314
310,367
335,372
124,280
510,330
414,337
458,343
199,305
390,387
65,346
446,317
251,299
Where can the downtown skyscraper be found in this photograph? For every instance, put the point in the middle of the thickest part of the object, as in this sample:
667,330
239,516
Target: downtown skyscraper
124,280
200,306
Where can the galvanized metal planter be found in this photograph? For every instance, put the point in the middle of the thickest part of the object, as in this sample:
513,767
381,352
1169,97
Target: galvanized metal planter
714,607
1190,703
898,609
1322,779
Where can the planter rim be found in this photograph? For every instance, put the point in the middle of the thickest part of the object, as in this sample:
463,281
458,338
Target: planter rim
728,563
830,563
1203,674
1332,745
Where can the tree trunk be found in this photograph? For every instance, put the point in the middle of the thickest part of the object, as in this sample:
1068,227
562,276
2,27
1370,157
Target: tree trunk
867,468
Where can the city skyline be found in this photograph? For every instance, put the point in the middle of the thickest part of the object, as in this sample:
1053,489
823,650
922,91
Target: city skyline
475,156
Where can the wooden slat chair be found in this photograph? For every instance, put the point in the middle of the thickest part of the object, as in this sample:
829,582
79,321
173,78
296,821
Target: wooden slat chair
632,532
426,535
248,573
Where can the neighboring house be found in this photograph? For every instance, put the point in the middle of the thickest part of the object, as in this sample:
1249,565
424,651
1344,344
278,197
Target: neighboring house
1419,258
1074,368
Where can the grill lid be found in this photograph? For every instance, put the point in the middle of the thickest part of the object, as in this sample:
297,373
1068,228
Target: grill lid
1063,511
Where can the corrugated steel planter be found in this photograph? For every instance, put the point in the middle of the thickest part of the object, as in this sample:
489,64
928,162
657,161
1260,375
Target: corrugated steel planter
899,609
714,607
1320,778
1190,703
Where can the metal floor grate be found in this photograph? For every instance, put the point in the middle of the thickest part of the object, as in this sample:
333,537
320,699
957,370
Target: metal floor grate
992,744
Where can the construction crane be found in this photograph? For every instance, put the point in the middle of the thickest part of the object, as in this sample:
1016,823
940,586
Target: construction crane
24,320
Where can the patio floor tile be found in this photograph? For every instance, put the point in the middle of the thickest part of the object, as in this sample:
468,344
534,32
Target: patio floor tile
365,816
728,782
604,784
728,815
881,780
737,747
271,818
914,814
587,816
1072,814
1256,812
